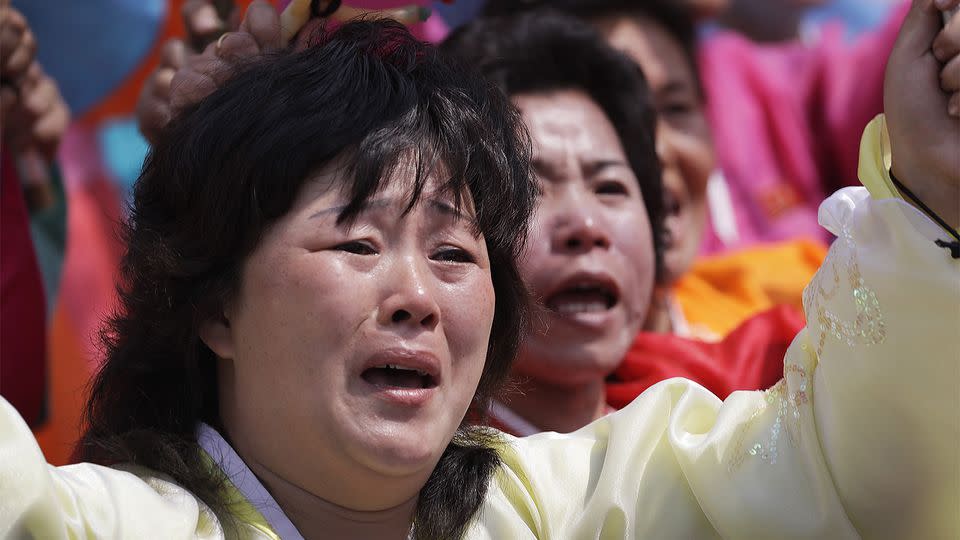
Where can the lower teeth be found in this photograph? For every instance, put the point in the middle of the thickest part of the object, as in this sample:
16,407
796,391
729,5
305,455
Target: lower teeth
581,308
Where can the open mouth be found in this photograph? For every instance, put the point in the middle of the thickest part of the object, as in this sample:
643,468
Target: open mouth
394,376
583,296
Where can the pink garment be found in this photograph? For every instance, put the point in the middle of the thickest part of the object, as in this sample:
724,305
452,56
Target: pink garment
786,121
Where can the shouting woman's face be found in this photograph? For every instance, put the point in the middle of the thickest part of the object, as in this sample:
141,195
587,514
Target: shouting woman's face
589,258
353,350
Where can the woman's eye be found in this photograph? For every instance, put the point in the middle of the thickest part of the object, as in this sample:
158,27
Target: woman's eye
674,109
453,255
357,248
611,188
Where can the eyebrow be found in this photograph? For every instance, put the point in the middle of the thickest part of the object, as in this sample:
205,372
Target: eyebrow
436,204
676,86
592,168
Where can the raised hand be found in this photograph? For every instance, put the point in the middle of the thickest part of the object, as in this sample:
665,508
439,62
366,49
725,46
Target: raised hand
184,77
206,20
922,105
18,48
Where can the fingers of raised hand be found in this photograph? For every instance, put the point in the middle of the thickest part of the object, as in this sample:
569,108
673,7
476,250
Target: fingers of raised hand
153,106
173,55
262,22
184,79
946,48
43,108
947,43
202,23
946,5
50,126
235,46
197,79
950,76
17,44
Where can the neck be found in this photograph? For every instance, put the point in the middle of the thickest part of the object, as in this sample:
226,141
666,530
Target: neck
560,408
315,517
658,317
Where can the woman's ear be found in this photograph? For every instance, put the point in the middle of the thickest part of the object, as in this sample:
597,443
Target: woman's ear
217,334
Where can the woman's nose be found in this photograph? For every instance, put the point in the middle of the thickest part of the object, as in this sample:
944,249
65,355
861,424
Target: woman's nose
580,229
409,300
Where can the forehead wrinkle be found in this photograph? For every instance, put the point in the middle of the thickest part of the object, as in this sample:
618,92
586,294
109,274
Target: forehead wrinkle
368,205
559,148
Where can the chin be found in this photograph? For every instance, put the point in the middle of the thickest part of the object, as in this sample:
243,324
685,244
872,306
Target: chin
404,450
561,366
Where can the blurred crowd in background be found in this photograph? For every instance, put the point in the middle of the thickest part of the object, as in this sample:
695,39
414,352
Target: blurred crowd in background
100,53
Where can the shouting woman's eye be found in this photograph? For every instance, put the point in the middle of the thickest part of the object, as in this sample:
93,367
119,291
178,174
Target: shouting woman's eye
611,187
357,248
451,254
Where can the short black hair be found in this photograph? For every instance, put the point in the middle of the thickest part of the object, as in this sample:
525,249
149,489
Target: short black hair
677,19
543,51
228,167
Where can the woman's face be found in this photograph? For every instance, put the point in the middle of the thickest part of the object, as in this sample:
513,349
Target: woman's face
352,353
589,258
683,136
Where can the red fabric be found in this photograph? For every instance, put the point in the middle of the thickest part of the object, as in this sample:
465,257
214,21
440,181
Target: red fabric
749,358
22,304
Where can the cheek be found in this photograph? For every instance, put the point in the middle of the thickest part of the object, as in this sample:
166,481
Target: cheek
536,251
696,163
469,315
469,318
635,238
291,308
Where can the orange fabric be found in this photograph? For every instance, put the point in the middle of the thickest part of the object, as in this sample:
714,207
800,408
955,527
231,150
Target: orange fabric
721,292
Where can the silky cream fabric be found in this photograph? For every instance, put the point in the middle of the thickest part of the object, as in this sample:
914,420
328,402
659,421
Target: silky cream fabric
860,440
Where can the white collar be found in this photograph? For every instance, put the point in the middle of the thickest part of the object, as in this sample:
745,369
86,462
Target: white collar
517,425
511,421
246,482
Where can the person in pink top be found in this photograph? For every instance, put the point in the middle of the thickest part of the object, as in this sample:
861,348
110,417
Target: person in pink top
784,118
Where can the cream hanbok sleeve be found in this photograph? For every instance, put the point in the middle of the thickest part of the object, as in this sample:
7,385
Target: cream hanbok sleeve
860,439
43,502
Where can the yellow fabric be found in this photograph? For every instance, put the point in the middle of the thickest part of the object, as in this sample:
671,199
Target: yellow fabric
860,440
874,167
241,508
720,292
